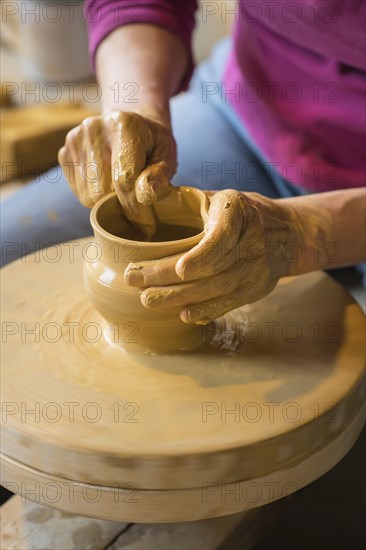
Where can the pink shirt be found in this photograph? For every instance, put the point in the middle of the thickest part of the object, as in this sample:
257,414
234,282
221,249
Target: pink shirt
296,77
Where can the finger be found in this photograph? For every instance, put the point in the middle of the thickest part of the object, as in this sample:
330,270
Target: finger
217,250
153,183
164,272
196,291
152,272
139,215
208,311
65,161
129,150
70,171
129,147
96,172
72,160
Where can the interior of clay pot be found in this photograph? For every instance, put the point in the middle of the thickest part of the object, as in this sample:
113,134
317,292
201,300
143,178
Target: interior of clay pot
178,217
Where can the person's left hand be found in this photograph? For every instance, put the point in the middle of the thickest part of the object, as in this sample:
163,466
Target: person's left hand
238,261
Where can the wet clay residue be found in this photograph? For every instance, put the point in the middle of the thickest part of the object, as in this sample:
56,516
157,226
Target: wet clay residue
164,232
167,232
40,515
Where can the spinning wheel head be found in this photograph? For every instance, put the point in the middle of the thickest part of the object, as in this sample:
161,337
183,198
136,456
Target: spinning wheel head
271,400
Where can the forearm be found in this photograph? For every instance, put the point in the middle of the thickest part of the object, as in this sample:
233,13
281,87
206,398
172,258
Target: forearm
330,230
140,66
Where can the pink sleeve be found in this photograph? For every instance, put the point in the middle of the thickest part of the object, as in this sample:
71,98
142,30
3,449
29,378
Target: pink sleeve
177,16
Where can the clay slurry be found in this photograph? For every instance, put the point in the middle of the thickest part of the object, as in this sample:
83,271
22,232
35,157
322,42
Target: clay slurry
164,232
181,215
169,232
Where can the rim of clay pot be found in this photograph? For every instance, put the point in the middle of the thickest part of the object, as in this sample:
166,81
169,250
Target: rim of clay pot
96,225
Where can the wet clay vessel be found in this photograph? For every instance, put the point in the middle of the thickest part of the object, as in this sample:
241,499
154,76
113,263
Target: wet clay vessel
180,219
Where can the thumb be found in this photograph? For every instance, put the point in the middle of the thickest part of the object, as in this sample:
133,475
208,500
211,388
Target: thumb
153,183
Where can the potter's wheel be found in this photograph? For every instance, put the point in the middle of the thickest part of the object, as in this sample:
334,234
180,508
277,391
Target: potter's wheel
272,401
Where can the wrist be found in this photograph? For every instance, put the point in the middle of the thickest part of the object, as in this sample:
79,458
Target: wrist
282,234
157,113
306,250
151,108
293,250
160,116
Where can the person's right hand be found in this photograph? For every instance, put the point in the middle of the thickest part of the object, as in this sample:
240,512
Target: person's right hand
131,153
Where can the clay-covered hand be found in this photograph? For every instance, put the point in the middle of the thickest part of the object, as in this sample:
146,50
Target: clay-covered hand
133,153
238,261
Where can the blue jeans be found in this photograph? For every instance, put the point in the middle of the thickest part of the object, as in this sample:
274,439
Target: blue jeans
214,152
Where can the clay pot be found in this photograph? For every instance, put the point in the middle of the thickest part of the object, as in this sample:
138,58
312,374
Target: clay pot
128,323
